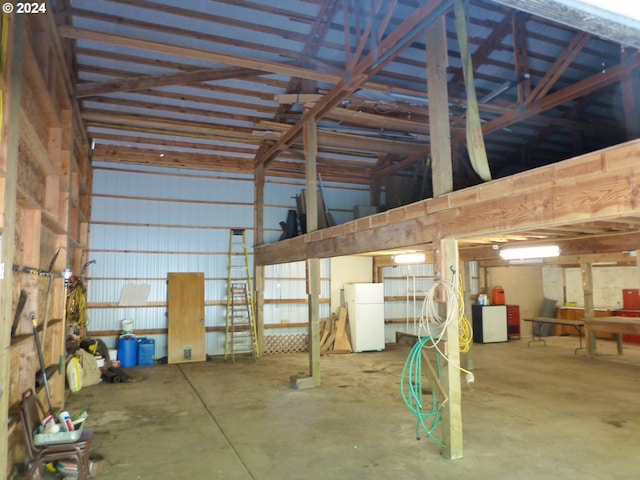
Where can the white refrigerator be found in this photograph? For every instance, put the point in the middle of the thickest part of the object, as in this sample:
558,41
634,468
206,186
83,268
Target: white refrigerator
365,306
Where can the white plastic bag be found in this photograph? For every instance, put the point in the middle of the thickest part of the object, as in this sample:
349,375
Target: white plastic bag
74,374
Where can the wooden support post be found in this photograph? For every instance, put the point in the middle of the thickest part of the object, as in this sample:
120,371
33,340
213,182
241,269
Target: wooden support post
311,174
9,150
313,277
587,289
313,264
436,40
259,270
452,411
259,275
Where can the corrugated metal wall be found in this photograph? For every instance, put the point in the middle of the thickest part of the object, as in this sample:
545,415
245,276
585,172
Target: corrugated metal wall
405,287
147,222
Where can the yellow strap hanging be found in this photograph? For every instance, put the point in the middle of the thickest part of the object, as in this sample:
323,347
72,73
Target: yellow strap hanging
475,140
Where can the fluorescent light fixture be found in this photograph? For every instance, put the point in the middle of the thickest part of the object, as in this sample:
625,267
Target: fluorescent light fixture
409,258
527,261
530,252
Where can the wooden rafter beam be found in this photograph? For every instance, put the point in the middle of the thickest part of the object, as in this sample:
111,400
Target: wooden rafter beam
172,158
558,68
350,142
521,53
166,30
129,138
312,45
110,119
489,45
404,34
203,110
565,95
210,56
156,81
225,163
194,53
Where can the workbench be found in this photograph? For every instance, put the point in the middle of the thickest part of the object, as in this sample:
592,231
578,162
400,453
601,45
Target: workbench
615,325
577,324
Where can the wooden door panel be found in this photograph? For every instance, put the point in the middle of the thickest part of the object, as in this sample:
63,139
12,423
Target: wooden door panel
185,318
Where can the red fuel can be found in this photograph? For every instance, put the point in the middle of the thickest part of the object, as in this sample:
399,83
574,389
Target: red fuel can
497,296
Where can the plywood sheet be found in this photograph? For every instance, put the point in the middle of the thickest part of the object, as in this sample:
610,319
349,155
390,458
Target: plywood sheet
185,318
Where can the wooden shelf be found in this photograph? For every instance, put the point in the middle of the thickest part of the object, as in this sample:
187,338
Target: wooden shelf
18,339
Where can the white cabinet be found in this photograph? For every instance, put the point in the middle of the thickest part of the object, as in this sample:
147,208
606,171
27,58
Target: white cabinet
365,306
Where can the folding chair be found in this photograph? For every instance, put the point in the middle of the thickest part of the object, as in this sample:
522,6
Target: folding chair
31,411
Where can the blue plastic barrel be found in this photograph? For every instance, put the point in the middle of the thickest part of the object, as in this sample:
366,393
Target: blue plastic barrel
128,352
146,351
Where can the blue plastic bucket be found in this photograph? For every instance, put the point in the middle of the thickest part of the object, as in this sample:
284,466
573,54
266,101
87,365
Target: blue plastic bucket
128,352
146,351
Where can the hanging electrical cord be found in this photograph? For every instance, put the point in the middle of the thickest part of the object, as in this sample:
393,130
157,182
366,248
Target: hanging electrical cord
465,330
77,306
430,318
413,395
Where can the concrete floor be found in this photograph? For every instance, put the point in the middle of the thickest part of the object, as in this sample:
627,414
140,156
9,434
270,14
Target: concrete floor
538,412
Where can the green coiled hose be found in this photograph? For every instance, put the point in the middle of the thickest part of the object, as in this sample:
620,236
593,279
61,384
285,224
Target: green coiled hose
428,419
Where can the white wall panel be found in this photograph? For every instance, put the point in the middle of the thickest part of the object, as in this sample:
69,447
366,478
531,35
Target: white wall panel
276,193
139,211
177,187
147,222
160,239
108,319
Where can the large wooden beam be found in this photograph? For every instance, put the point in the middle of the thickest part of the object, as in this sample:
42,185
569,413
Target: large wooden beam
601,185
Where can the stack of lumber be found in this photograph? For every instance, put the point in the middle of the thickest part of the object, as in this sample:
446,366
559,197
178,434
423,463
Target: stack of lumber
325,219
333,334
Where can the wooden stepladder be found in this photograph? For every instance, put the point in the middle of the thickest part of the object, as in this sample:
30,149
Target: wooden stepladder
240,332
